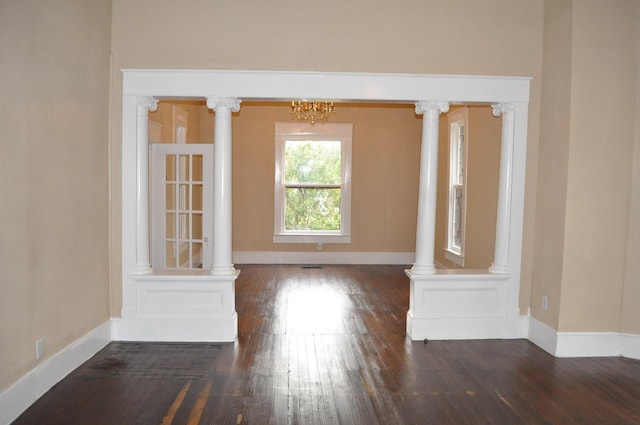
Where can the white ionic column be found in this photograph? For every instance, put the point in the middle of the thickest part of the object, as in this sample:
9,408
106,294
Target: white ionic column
503,217
145,104
426,226
222,252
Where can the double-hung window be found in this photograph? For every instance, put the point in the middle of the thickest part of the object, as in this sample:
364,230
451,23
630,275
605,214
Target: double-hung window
312,183
458,141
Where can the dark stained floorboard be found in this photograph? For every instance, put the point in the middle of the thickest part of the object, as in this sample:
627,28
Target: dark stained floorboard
327,346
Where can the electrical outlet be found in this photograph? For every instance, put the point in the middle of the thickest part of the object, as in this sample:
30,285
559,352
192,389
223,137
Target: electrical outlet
545,302
39,348
319,247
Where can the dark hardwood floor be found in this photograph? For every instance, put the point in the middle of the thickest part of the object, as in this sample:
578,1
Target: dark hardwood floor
327,346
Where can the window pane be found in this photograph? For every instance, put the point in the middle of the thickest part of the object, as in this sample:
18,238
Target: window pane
312,162
457,218
312,209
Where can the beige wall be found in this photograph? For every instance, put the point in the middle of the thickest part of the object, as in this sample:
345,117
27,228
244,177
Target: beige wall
54,210
631,293
196,112
554,157
381,189
494,37
586,245
601,131
483,137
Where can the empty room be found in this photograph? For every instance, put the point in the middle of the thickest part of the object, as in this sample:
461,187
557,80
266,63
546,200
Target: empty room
331,213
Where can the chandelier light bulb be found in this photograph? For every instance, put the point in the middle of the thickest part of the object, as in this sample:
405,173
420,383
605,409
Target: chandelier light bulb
311,111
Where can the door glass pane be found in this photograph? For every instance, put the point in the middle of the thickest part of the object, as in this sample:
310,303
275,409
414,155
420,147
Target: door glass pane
196,195
196,248
196,168
183,199
171,226
170,196
183,167
196,226
183,227
170,260
179,221
170,174
183,254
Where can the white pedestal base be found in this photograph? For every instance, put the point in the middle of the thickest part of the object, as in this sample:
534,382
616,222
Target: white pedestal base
195,307
461,306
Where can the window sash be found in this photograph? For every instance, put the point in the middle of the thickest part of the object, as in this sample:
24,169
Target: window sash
458,133
340,132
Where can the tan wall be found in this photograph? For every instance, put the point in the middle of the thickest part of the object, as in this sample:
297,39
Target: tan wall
483,169
554,156
196,111
493,37
54,174
381,189
600,164
631,294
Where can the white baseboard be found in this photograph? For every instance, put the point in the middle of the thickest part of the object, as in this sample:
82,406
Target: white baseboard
452,328
583,344
322,257
18,397
167,330
588,344
630,346
542,335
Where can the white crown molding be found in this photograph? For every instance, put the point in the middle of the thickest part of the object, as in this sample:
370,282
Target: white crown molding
18,397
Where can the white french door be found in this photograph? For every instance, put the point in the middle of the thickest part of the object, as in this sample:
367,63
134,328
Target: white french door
181,206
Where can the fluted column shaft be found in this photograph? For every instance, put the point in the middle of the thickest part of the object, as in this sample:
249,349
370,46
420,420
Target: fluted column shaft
501,253
426,225
222,199
144,105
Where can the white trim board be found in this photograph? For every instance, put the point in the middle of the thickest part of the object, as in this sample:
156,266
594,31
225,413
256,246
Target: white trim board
583,344
18,397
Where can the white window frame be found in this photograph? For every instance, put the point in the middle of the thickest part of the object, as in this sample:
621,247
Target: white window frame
319,131
457,119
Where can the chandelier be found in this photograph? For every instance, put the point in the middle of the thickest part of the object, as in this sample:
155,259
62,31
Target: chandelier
311,111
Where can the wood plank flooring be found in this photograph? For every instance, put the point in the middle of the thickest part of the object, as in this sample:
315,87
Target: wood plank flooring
327,346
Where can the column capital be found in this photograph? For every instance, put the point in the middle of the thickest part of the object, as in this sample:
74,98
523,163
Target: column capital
232,103
431,105
148,102
502,108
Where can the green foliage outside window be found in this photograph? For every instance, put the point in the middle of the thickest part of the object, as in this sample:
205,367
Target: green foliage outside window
312,175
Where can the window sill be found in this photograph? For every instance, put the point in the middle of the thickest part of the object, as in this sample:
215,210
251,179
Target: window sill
454,257
311,238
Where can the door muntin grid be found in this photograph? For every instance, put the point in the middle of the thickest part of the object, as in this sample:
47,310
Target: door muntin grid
183,206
